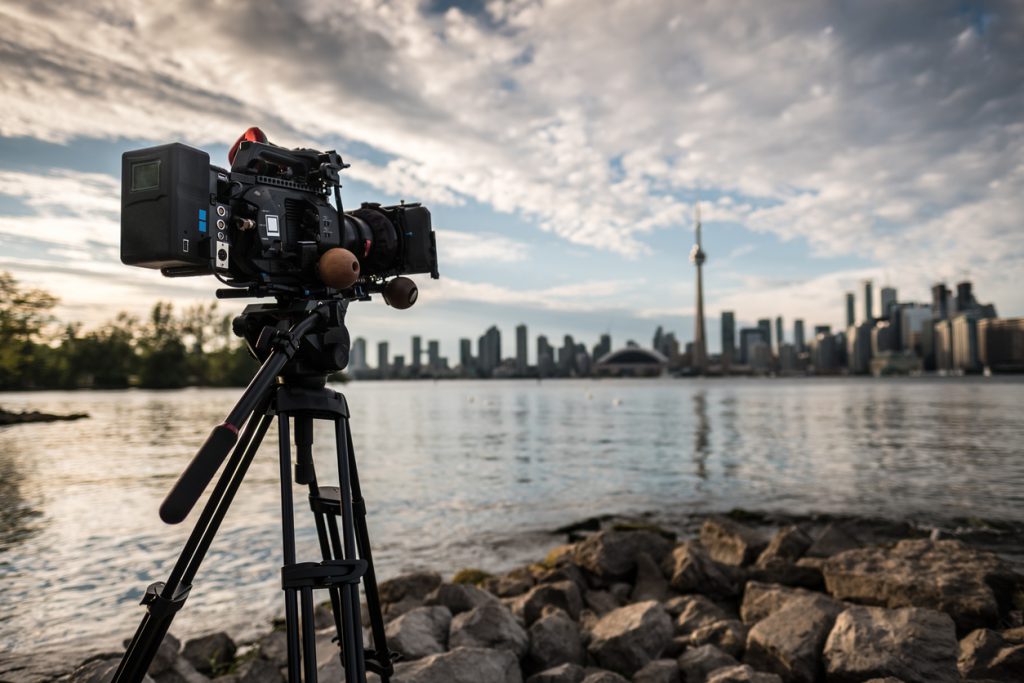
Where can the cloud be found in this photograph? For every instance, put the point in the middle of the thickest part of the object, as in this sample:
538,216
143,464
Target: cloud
478,247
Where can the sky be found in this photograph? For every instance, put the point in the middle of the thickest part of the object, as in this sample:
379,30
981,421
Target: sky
560,146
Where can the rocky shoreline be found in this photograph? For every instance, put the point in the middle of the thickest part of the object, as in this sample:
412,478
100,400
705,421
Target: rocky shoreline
8,417
739,598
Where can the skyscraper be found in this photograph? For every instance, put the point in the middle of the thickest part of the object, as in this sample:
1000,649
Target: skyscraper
382,358
888,295
851,313
765,325
357,357
545,357
489,354
434,354
779,337
521,341
417,352
700,349
749,337
466,354
940,301
869,309
728,337
798,336
603,347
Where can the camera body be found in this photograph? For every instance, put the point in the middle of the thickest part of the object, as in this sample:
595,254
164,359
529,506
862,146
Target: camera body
264,224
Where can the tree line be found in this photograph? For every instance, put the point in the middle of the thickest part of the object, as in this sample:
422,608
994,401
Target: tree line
168,349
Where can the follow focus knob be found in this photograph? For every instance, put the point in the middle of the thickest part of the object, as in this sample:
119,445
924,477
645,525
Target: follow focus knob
338,268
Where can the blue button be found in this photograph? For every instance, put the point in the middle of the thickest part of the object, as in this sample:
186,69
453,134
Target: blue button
202,225
202,214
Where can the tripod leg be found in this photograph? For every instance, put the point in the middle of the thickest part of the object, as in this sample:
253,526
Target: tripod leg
291,611
350,593
380,645
164,601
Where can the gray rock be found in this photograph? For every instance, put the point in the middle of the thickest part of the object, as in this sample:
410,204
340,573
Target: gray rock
406,592
626,639
490,625
787,573
833,540
966,583
564,673
650,582
621,591
612,554
459,597
566,571
181,671
564,595
730,542
760,600
165,655
274,646
693,571
601,602
555,639
917,645
211,654
515,583
95,671
987,654
728,635
658,671
695,664
256,670
790,640
694,612
742,674
420,632
788,545
604,677
461,665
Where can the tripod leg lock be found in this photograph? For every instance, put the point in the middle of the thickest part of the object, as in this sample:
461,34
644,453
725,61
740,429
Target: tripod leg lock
161,607
326,574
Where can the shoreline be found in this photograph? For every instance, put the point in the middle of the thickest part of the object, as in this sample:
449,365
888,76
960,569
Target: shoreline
759,528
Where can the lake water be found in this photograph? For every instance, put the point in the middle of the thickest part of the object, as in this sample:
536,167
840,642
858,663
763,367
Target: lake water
473,474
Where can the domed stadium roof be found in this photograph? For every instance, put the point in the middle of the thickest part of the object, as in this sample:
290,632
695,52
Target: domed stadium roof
633,355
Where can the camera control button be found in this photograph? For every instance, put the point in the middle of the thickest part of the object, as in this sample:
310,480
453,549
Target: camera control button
221,211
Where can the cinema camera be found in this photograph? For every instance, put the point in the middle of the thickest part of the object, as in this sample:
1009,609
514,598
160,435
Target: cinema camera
266,227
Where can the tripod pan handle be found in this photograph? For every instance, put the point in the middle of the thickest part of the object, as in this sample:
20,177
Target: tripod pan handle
197,475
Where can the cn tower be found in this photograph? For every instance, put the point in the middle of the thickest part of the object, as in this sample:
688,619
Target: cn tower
699,361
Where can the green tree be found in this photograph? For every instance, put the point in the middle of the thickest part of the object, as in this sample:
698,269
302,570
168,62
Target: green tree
24,312
163,360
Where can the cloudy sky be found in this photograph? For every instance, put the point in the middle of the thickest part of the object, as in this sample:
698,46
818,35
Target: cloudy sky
559,145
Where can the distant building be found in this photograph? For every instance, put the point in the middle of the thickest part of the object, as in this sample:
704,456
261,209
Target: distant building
434,355
883,338
940,301
851,311
779,336
798,336
489,351
966,357
1001,344
765,325
943,345
631,361
888,295
567,355
603,347
913,320
869,310
728,337
357,356
545,357
748,337
417,353
382,359
760,357
858,348
964,297
823,356
521,342
789,361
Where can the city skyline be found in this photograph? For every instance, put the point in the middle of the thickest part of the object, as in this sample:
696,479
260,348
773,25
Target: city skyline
824,150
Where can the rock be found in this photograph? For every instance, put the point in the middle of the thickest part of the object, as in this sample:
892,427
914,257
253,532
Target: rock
564,673
789,641
728,635
987,654
788,574
601,602
621,592
760,600
650,582
626,639
564,572
490,625
887,679
695,664
613,554
916,645
832,541
406,592
515,583
181,671
420,632
968,584
461,665
658,671
693,571
788,545
274,646
676,647
459,597
165,655
258,670
742,674
555,639
694,612
604,677
210,654
95,671
730,542
564,595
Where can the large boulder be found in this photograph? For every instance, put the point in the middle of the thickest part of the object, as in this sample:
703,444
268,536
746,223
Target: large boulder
728,635
790,640
966,583
913,644
730,542
490,625
511,585
459,597
693,571
625,639
211,654
694,612
405,592
420,632
650,583
461,665
760,600
742,673
555,639
987,654
564,595
696,663
658,671
788,545
564,673
612,554
834,539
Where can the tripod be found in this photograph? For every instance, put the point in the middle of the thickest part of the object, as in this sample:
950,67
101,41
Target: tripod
299,343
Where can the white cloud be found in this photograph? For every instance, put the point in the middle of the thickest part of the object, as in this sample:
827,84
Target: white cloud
480,247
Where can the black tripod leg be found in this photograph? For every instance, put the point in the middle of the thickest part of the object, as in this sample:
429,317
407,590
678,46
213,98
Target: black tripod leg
291,610
380,644
164,601
350,593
